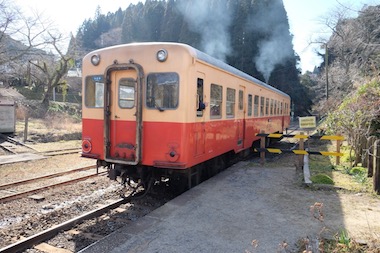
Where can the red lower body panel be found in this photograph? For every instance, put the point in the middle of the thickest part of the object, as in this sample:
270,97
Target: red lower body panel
177,145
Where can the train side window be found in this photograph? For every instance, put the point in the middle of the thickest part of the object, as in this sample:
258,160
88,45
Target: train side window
256,106
275,107
262,103
216,95
266,106
241,100
127,93
162,90
249,105
94,91
230,102
200,104
271,106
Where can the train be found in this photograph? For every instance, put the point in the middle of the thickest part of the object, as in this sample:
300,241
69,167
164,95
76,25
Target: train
168,111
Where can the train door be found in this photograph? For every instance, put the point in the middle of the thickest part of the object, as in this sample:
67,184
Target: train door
123,114
241,118
199,128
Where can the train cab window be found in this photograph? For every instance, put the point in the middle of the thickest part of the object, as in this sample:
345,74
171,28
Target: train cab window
230,102
262,103
216,95
266,106
256,106
94,91
162,90
249,105
127,93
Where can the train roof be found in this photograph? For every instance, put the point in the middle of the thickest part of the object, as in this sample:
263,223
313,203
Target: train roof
220,64
211,60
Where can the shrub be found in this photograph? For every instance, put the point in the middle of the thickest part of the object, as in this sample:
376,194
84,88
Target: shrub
358,170
322,179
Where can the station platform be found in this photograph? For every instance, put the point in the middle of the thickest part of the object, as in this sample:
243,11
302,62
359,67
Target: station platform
245,203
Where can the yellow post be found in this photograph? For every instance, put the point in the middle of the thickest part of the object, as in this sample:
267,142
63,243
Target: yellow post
300,158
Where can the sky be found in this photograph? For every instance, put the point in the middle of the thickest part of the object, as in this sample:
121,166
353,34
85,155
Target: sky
305,18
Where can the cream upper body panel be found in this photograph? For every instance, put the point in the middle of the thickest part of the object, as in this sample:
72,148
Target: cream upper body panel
187,62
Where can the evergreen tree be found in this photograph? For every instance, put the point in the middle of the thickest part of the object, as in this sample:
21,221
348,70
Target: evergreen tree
172,23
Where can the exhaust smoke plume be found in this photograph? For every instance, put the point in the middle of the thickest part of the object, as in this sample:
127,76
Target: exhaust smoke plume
211,19
277,46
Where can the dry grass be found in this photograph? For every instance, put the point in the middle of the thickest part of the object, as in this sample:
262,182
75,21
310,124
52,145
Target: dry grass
51,129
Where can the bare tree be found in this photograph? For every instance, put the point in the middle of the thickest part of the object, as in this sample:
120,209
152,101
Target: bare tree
19,34
52,68
31,47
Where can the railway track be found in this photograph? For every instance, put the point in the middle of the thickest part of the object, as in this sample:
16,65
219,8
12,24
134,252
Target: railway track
13,146
51,232
120,211
6,187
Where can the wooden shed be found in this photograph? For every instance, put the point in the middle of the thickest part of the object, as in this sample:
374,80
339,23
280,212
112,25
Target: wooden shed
7,115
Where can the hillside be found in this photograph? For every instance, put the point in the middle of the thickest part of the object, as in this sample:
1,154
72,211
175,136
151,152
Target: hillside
351,60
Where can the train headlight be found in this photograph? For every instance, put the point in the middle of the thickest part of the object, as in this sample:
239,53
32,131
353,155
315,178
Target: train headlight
95,59
162,55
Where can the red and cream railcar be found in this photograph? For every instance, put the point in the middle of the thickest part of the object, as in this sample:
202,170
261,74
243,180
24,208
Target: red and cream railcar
154,108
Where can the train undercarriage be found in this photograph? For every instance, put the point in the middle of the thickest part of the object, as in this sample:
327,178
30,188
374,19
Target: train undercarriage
141,178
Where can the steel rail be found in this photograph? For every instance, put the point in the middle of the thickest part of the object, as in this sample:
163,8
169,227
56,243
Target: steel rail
62,153
21,194
7,149
49,233
59,150
4,186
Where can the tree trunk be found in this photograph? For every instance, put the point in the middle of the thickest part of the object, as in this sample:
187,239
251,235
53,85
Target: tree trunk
370,150
46,100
